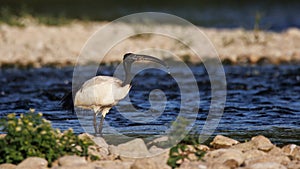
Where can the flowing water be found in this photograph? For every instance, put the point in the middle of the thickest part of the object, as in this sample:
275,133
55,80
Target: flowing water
260,100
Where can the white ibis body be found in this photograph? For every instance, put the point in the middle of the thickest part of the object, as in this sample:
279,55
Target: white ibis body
101,93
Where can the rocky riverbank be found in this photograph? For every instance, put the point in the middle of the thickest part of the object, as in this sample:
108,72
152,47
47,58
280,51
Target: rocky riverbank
39,45
222,153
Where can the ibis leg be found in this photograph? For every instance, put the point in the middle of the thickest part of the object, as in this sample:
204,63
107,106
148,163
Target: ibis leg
95,123
101,125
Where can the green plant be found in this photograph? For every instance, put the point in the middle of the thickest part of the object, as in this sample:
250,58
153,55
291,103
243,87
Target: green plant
186,58
182,152
256,36
257,22
226,41
187,149
31,135
53,21
8,17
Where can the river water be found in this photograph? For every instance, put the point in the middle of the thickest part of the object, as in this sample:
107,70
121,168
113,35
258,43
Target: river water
260,100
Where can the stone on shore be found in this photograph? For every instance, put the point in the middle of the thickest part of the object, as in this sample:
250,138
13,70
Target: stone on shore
33,162
284,160
254,154
267,165
193,165
117,164
133,149
258,142
262,143
276,151
292,150
145,163
81,166
294,165
101,143
161,159
203,147
222,142
158,141
228,157
99,150
7,166
71,160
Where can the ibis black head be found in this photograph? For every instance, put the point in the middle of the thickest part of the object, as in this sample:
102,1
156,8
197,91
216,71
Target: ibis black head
129,58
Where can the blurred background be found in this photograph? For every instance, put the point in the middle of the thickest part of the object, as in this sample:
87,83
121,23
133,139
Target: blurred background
274,15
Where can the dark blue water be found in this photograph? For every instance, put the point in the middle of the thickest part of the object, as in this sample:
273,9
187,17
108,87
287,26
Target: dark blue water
260,100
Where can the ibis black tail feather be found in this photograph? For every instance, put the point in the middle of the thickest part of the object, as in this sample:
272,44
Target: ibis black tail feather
67,102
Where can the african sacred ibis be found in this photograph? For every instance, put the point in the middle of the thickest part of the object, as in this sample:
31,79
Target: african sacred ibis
101,93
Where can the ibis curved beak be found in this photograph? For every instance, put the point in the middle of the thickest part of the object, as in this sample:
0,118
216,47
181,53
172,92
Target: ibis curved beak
139,57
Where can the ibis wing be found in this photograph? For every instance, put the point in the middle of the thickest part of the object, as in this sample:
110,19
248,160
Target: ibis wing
100,90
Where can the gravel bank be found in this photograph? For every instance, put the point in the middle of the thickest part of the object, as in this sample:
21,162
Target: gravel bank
222,153
39,45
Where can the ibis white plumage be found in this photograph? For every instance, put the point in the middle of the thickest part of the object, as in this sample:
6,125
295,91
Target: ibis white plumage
101,93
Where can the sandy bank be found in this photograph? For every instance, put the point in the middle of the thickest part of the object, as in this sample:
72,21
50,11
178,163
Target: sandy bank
39,45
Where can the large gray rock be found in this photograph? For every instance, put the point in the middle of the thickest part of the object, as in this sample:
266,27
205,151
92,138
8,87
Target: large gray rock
71,161
284,160
202,147
294,165
217,166
156,150
193,165
244,147
101,143
259,142
7,166
227,157
161,159
253,154
267,165
276,151
100,149
105,164
79,166
158,141
223,142
292,150
33,162
133,149
262,143
145,163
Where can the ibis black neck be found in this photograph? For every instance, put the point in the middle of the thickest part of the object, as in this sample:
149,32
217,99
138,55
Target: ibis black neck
127,68
129,58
